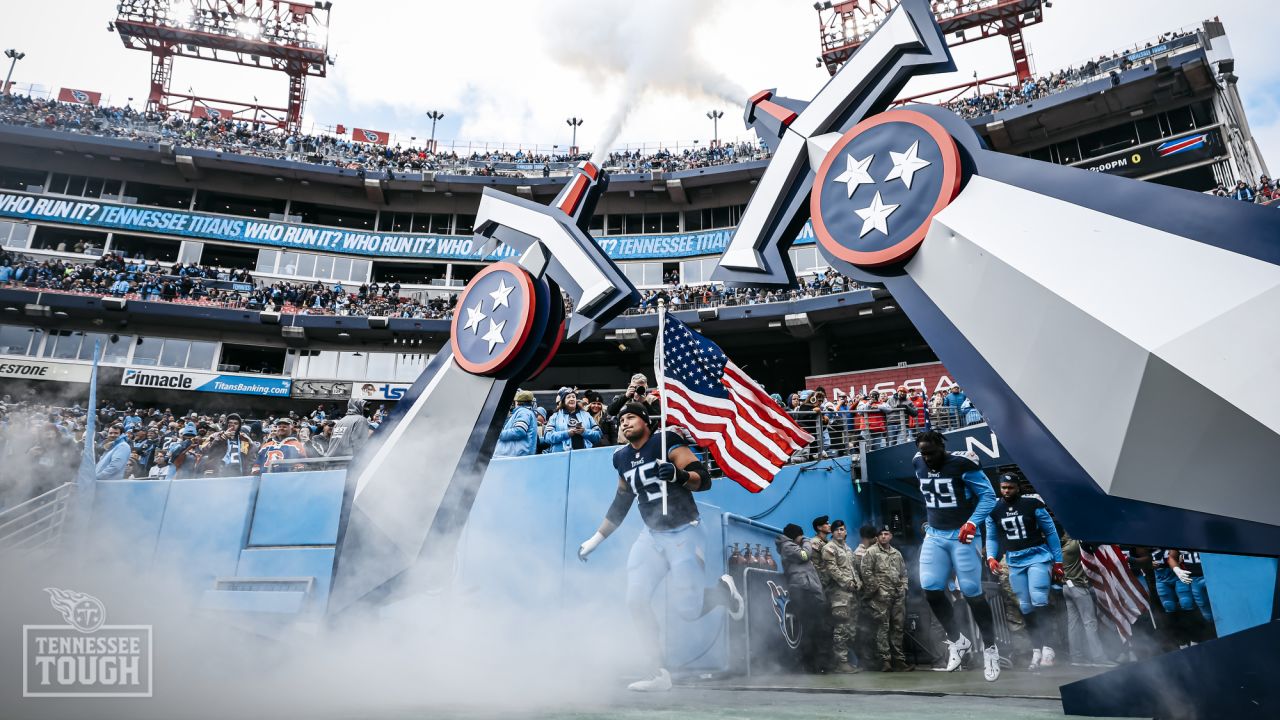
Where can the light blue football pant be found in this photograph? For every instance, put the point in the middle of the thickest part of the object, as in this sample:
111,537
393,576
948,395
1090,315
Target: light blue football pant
1031,584
940,557
672,554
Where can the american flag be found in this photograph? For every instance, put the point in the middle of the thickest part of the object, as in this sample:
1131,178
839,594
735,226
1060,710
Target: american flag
727,412
1121,596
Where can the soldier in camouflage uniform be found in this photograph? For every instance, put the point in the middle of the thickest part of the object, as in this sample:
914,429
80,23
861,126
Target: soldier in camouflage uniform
814,545
865,636
821,531
843,586
886,575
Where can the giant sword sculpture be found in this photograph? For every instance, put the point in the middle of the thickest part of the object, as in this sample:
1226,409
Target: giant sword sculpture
408,496
1112,331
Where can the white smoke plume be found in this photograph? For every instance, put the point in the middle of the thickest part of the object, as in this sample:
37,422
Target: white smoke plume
495,640
639,47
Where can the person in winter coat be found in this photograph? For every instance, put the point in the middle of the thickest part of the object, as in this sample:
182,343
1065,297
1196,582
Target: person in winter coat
899,410
115,455
519,436
350,433
804,594
571,426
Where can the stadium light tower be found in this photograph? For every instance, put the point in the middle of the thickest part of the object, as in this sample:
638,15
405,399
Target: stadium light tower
14,56
435,116
288,37
574,122
844,25
714,116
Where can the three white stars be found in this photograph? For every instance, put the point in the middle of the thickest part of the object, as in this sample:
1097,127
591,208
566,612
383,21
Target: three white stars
905,166
494,336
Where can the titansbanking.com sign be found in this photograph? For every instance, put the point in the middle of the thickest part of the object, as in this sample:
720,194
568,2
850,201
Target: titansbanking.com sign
85,657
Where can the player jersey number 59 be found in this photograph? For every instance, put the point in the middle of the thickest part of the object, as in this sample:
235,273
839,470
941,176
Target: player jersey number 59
938,492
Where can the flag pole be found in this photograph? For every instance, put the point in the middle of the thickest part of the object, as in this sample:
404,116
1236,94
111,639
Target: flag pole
659,367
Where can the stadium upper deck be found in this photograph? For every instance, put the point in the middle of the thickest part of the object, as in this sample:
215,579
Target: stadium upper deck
78,181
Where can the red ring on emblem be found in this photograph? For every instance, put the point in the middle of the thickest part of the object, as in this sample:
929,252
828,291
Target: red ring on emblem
903,249
518,338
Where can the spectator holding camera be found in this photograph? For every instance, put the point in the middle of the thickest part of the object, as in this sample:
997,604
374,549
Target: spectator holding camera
570,427
230,452
638,392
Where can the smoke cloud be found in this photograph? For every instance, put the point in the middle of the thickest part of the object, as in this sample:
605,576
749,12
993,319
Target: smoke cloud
639,47
490,637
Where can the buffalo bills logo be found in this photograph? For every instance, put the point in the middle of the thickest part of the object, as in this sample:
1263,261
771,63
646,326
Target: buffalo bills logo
786,621
879,186
493,320
80,96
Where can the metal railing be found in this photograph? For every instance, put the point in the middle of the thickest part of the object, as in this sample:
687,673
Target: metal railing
853,433
36,523
844,433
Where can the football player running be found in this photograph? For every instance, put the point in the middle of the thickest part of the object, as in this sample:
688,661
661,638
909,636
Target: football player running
669,545
957,499
1020,530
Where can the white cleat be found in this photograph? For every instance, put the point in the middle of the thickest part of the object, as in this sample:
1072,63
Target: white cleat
1036,659
660,683
736,605
991,663
955,652
1047,656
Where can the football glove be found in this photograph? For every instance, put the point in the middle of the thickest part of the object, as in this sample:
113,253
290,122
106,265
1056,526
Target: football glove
967,531
591,544
671,474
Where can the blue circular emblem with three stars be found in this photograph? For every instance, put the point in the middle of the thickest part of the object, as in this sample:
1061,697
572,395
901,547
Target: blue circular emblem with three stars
494,319
880,185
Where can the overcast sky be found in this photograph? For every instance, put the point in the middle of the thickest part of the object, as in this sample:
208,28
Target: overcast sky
512,71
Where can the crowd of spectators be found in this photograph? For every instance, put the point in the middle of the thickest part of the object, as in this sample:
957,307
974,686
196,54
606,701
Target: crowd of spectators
1264,192
842,424
1034,88
41,445
257,139
689,297
138,279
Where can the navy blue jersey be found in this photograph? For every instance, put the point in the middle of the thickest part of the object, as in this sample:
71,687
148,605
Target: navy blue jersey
954,494
1017,527
638,468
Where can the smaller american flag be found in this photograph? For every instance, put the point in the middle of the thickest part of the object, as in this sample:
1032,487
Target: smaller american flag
1121,596
727,412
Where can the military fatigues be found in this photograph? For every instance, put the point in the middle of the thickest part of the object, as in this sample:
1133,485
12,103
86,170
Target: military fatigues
886,575
865,637
842,587
814,547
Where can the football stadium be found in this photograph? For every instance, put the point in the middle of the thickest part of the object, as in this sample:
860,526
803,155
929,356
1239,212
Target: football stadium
919,375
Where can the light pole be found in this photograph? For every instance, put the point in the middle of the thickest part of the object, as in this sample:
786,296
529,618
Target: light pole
714,116
14,56
574,122
435,116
